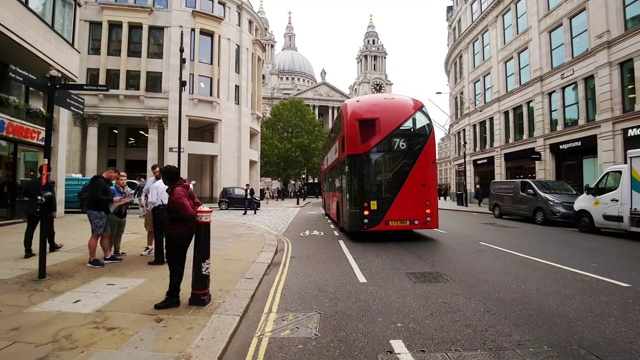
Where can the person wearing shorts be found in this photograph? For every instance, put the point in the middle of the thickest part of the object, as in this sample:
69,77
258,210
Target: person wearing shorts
148,218
98,203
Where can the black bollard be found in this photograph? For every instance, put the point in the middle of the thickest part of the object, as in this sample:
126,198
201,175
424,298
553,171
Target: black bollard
200,275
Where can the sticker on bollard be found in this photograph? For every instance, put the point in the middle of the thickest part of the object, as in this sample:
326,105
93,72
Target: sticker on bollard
201,270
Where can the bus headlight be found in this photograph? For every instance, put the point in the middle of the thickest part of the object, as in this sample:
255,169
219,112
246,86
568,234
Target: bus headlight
366,221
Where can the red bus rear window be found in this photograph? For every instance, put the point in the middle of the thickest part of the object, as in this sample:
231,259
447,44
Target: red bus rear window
368,128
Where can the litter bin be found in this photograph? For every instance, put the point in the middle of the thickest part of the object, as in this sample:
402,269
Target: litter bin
459,199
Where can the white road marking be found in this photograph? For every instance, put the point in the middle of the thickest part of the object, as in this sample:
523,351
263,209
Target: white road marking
336,233
557,265
400,350
332,226
328,220
440,231
355,267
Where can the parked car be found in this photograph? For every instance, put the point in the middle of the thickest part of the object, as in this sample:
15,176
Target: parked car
232,197
541,200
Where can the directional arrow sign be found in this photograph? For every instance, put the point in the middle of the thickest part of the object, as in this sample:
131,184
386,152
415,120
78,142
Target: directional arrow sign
28,79
69,101
82,87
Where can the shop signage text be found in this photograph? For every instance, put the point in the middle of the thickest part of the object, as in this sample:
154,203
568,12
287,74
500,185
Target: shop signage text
586,142
20,131
28,79
570,145
536,156
484,161
631,132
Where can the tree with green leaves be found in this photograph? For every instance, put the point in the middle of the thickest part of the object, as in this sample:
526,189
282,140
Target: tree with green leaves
292,139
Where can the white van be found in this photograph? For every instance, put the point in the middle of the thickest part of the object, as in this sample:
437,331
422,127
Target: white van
614,201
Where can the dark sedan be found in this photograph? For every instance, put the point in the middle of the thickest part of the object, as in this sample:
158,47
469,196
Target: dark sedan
232,197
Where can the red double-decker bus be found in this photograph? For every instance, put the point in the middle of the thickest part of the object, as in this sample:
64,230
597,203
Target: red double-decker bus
379,172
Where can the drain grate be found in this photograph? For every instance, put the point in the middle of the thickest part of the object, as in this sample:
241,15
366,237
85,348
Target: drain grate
293,325
545,353
499,225
428,277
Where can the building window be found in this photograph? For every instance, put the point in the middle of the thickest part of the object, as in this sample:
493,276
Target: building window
553,3
115,40
192,45
205,51
95,38
59,15
137,137
190,4
93,76
511,75
507,26
191,84
237,59
461,99
530,119
487,88
486,46
628,86
239,19
156,43
475,10
523,63
154,82
491,134
221,9
579,35
460,69
204,85
141,2
113,79
570,100
236,94
135,42
518,123
483,135
113,136
590,97
631,14
475,137
477,92
553,111
483,5
507,127
160,4
133,80
521,15
476,53
206,5
557,47
250,29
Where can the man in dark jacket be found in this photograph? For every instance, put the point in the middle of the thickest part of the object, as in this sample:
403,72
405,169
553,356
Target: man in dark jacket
249,193
40,213
180,220
98,202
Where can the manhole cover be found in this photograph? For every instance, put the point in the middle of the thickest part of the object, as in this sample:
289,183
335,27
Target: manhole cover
428,277
545,353
499,225
485,355
293,325
557,353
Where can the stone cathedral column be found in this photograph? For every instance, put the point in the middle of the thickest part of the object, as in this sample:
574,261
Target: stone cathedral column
91,160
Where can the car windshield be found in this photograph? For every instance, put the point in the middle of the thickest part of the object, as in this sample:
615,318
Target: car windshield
555,188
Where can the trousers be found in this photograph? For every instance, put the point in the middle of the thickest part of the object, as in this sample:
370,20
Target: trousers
46,222
158,232
177,248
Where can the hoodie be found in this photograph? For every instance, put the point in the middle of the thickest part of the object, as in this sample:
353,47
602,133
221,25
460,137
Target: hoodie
181,209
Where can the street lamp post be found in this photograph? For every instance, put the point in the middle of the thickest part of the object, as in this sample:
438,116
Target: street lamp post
181,89
464,170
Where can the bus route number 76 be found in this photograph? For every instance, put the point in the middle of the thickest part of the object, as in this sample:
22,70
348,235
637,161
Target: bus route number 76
399,144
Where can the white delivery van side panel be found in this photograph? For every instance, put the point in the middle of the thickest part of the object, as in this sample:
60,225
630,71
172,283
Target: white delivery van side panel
633,159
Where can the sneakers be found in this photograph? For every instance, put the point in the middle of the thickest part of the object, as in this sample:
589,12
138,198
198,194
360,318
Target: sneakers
112,259
119,253
95,263
147,251
167,303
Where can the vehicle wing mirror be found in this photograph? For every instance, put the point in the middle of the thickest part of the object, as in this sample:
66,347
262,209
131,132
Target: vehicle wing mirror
587,189
530,192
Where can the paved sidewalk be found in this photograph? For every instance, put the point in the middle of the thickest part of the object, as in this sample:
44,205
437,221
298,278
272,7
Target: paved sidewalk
106,313
451,205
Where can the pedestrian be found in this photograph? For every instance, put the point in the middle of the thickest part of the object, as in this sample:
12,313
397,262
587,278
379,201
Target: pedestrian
142,182
98,201
278,193
440,192
148,218
478,195
249,193
445,192
158,200
118,217
40,213
180,228
267,194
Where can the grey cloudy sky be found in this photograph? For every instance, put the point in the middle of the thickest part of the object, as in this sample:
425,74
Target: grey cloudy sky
329,33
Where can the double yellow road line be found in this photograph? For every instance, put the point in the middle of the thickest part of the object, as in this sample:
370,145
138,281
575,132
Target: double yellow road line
269,314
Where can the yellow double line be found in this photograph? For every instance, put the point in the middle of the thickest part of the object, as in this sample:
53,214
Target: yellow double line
271,307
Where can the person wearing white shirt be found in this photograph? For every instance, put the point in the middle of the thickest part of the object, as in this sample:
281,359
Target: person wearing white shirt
148,218
158,200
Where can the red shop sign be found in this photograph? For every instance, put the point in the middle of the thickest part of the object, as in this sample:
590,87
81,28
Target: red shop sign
21,131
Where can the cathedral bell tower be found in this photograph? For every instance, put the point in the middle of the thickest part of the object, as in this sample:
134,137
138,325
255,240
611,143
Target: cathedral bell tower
372,75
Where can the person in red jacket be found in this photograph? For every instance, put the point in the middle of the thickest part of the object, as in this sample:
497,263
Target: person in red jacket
179,222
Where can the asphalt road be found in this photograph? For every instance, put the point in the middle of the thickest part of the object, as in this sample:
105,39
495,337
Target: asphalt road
486,288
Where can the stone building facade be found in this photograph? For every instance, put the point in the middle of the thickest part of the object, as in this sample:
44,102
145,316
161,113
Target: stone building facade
542,89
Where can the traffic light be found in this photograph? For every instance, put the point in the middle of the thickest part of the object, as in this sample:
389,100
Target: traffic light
304,175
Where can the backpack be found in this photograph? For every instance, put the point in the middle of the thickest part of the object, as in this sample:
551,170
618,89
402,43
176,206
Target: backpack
83,195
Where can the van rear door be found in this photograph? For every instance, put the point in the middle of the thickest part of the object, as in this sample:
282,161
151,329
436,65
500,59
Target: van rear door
607,207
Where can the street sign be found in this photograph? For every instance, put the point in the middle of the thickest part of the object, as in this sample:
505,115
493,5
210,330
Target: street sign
175,149
30,80
69,101
82,87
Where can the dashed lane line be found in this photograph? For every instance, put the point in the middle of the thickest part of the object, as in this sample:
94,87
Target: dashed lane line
400,350
336,233
352,261
440,231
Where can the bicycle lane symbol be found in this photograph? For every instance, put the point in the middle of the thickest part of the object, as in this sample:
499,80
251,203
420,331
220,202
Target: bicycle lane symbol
314,232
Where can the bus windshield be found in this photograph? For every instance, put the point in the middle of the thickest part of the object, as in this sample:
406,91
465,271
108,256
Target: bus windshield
389,163
555,188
